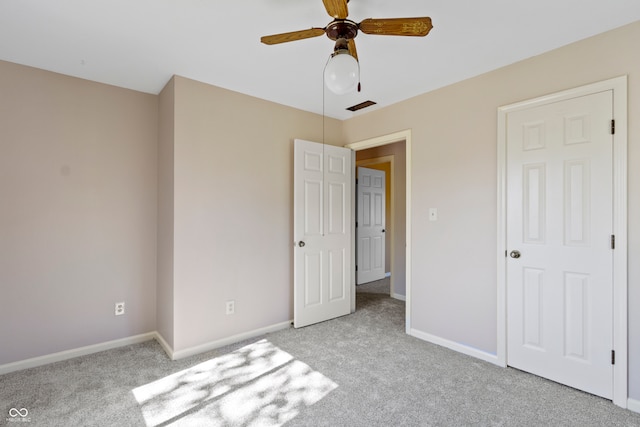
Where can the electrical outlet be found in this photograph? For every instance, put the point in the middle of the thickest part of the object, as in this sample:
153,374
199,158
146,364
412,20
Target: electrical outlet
231,307
119,308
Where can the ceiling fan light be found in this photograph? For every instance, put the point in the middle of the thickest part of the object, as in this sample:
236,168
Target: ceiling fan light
341,75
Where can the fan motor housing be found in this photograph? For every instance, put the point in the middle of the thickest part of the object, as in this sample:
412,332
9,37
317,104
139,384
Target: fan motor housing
342,29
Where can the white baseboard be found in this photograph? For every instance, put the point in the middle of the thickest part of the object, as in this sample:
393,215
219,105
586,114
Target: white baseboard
460,348
398,296
173,355
633,405
181,354
165,345
70,354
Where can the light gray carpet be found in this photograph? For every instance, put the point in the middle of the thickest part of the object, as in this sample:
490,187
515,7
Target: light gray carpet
358,370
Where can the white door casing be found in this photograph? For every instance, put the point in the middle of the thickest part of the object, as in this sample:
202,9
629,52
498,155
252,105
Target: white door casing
559,227
322,231
570,186
370,225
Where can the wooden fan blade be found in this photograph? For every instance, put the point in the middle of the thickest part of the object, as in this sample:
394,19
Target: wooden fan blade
292,36
336,8
397,26
352,48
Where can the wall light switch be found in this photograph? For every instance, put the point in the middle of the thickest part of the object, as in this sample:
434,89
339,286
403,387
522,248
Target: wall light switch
433,214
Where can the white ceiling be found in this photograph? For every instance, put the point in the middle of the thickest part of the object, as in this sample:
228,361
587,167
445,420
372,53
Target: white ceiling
140,44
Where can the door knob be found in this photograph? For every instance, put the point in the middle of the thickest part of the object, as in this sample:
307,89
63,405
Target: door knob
515,254
301,244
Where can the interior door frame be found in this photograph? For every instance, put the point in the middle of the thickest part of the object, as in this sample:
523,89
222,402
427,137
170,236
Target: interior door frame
404,135
620,311
390,218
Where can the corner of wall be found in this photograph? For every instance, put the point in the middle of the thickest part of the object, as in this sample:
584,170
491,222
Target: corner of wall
165,231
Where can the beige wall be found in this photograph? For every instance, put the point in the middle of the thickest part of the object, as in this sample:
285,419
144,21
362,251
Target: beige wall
173,203
233,186
77,212
454,169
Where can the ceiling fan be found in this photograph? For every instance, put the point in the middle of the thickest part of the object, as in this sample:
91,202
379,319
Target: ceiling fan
343,31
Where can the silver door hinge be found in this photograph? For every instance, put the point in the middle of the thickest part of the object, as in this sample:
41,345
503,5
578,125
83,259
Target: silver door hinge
613,127
613,357
613,241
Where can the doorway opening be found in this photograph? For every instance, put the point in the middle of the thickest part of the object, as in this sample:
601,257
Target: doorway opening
373,220
393,151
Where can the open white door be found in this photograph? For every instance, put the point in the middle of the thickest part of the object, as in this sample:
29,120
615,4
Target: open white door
370,226
322,232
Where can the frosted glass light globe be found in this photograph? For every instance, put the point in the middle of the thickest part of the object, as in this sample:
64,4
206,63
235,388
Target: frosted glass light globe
341,73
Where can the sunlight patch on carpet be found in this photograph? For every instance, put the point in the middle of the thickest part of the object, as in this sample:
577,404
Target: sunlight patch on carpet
258,384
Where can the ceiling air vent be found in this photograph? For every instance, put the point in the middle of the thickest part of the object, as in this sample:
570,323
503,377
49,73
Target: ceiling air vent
362,105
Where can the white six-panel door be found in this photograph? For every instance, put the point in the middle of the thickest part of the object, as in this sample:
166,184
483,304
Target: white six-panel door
559,226
322,232
370,228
